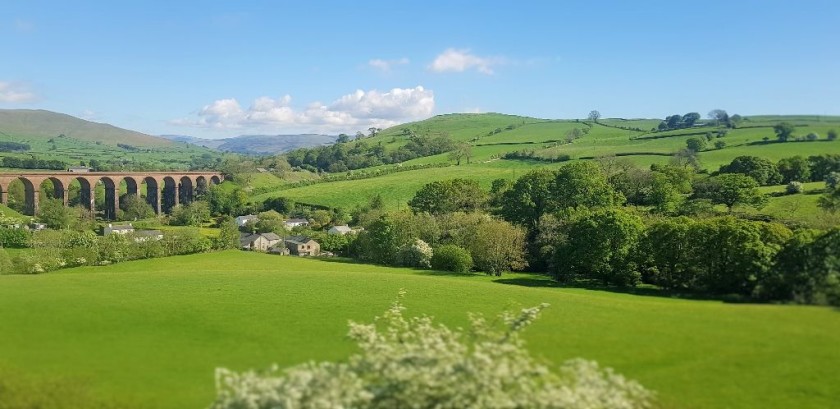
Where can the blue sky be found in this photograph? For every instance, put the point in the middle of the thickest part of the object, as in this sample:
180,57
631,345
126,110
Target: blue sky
217,69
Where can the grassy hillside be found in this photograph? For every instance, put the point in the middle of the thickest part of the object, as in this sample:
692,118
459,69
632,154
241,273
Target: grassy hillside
493,135
40,124
72,140
149,334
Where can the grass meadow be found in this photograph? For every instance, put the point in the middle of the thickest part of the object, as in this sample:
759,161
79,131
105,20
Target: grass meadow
148,334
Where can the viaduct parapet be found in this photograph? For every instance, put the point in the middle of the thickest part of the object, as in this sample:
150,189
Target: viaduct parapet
164,190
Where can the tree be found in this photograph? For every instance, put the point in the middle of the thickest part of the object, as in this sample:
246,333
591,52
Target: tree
448,196
582,185
418,363
674,121
720,144
832,135
228,237
806,270
668,256
530,197
690,119
695,144
784,131
594,115
719,116
418,254
192,214
762,170
730,190
794,169
452,258
374,131
54,214
598,246
343,138
135,208
281,205
462,151
812,136
496,246
270,221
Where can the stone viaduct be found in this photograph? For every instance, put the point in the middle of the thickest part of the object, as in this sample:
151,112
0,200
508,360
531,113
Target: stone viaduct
164,190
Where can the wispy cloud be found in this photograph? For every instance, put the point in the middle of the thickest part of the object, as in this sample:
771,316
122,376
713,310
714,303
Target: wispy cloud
387,65
24,26
355,111
460,60
16,92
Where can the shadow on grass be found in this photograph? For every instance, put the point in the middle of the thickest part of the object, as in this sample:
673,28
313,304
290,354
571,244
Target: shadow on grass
644,291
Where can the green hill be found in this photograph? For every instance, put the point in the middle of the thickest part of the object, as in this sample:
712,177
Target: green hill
542,142
53,136
150,333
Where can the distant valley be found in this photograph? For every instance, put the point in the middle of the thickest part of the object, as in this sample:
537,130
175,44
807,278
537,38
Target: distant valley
257,144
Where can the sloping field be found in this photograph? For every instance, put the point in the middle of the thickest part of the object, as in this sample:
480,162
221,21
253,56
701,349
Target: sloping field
149,334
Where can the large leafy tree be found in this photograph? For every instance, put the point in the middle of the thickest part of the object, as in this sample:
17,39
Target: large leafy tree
54,214
582,185
784,130
730,190
794,169
599,246
762,170
449,196
530,197
135,208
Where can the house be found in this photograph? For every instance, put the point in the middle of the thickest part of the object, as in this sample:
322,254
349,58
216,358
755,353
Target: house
79,169
342,230
292,223
37,226
262,170
279,249
302,246
117,229
241,221
145,235
259,241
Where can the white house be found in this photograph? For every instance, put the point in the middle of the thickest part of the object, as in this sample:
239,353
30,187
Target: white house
241,221
342,230
119,229
292,223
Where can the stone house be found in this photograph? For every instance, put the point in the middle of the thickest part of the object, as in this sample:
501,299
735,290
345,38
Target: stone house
302,246
342,230
259,241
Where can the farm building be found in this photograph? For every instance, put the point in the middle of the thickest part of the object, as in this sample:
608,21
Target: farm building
259,241
117,229
302,246
241,221
292,223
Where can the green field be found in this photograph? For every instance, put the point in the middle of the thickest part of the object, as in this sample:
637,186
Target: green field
148,334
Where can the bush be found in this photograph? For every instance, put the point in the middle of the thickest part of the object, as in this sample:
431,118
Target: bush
418,254
793,188
416,363
14,238
452,258
720,144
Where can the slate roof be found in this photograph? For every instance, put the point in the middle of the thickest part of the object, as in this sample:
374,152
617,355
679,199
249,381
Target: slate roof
298,239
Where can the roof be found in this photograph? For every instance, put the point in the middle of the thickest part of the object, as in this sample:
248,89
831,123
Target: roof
343,229
298,239
247,217
123,227
290,221
271,236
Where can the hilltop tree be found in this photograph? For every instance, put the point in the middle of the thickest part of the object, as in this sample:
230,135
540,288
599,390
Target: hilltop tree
462,151
594,115
719,116
762,170
690,119
695,144
784,130
673,121
343,138
794,169
832,135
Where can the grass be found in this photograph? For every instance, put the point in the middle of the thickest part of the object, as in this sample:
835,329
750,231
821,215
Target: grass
148,334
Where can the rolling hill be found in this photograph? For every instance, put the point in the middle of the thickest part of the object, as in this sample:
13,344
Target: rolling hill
26,123
257,144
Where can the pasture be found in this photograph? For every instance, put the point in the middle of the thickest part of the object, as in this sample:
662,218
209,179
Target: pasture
148,334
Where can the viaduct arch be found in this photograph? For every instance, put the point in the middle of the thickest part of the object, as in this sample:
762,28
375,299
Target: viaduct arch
164,190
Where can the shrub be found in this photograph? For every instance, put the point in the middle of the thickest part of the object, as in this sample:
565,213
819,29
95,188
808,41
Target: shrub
415,363
418,254
832,135
793,188
452,258
832,180
812,136
15,238
720,144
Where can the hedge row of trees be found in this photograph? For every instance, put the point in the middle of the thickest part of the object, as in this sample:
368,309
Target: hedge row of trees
341,157
32,163
815,168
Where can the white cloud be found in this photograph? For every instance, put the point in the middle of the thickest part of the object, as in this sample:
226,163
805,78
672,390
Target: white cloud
16,93
462,60
386,65
351,112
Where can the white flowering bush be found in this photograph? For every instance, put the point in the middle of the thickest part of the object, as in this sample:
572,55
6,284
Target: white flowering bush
418,254
415,363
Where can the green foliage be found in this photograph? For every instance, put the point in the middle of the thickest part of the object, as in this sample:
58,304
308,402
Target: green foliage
599,246
335,243
668,254
495,245
281,205
454,195
794,188
192,214
762,170
832,135
14,237
5,262
730,190
418,254
135,207
228,237
784,131
54,214
270,222
582,185
794,169
450,257
530,197
695,144
806,270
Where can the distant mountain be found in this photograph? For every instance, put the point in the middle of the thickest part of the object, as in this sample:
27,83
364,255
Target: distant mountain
257,144
29,123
